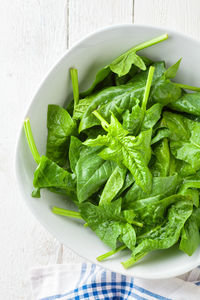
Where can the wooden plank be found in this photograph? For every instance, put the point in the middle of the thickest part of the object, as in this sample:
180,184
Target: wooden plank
86,16
33,36
181,15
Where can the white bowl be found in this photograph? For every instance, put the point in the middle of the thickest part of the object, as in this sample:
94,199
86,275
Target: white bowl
88,56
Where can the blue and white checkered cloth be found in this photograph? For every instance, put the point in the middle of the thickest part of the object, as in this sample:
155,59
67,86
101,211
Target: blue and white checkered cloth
89,281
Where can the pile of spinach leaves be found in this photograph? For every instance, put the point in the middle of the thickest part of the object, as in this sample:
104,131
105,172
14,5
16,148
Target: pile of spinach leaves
127,152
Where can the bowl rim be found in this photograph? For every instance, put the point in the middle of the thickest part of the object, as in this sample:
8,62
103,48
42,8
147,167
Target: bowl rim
177,272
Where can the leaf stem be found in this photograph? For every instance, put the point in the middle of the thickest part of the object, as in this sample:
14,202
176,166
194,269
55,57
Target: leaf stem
104,123
66,212
137,223
74,79
147,88
30,140
131,261
110,253
149,43
188,87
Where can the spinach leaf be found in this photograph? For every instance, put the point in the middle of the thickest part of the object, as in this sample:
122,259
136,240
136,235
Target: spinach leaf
75,149
192,181
92,172
165,186
106,101
122,64
181,128
165,92
151,211
162,162
108,223
60,126
119,80
139,117
152,115
183,168
133,153
129,180
100,76
132,121
49,174
185,141
171,71
160,134
188,152
163,236
196,214
194,194
113,185
190,238
36,193
189,103
128,235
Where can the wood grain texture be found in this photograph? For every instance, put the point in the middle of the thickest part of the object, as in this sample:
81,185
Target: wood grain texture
180,15
33,36
85,16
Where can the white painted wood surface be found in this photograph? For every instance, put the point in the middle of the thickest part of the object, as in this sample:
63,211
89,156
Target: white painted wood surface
34,34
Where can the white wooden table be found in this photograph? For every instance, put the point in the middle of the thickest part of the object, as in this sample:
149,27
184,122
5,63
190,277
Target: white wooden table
34,34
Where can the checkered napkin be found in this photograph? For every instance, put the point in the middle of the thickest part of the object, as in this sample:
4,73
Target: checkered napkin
89,281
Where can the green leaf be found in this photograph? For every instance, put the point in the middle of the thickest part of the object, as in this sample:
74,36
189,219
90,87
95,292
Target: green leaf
133,153
129,180
113,185
100,76
160,134
179,126
162,163
36,193
75,148
152,116
165,92
165,186
171,71
92,172
49,174
194,194
122,64
188,148
163,236
196,214
128,235
132,121
190,238
108,100
60,126
151,211
189,103
182,168
192,181
107,221
187,152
